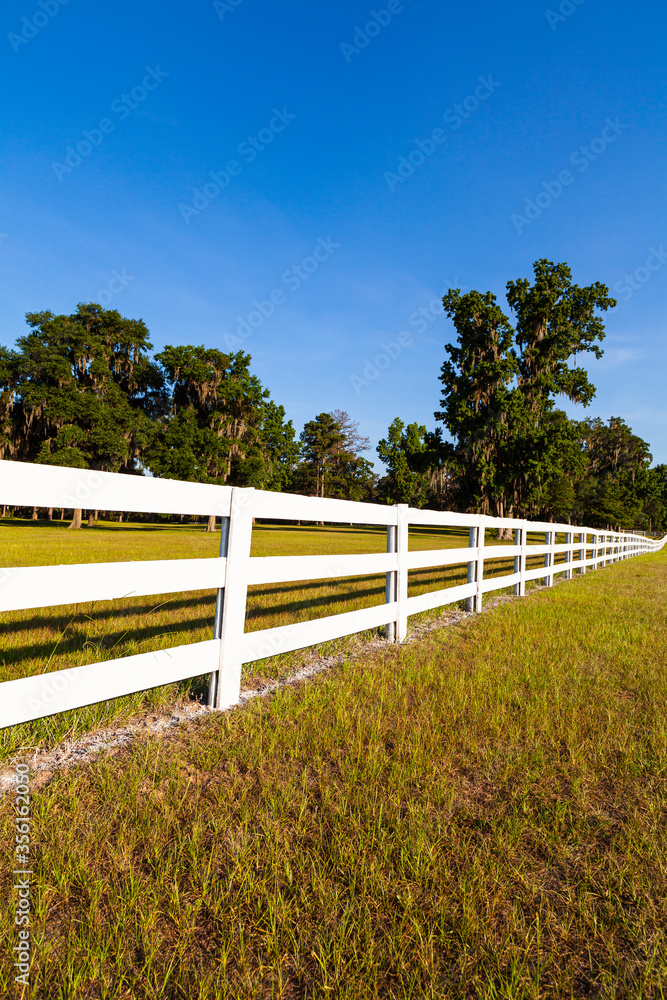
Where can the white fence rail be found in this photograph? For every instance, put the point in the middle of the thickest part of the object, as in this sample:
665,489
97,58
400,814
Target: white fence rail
234,570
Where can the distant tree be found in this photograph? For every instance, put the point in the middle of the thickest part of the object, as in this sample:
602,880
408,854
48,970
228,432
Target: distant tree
353,441
619,490
651,489
81,391
612,447
321,444
420,467
8,378
478,401
213,432
401,451
331,464
501,382
279,449
353,476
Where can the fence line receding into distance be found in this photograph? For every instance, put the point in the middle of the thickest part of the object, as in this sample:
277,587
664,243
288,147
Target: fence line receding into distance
234,570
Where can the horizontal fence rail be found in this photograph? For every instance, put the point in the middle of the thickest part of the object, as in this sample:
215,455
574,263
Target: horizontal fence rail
234,570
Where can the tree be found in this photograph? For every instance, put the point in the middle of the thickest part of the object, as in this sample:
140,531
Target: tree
400,451
331,464
8,364
82,391
419,467
279,449
651,488
353,476
612,447
477,398
556,466
212,433
500,385
353,441
321,445
621,490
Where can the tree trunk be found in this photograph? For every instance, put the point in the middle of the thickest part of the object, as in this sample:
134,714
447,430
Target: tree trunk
91,518
76,518
50,513
210,524
62,513
4,510
34,513
120,518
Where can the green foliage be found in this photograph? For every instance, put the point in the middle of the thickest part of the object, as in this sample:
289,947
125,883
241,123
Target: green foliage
81,391
280,449
514,453
556,320
619,488
331,463
477,395
212,434
402,451
321,439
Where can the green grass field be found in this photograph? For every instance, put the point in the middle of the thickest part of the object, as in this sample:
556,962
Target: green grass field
478,814
41,640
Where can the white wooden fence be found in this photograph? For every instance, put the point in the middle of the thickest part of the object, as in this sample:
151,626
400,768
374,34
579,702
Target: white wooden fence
234,570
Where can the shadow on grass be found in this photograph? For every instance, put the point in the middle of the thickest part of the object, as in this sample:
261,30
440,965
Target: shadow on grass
110,526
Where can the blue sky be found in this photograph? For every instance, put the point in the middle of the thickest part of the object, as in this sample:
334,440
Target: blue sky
264,176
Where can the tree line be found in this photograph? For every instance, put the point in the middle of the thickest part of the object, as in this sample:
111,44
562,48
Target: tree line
86,391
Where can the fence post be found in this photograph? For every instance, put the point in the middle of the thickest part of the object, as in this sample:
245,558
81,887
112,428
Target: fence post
402,529
547,580
520,560
472,565
391,589
479,574
582,551
228,686
524,558
219,604
568,554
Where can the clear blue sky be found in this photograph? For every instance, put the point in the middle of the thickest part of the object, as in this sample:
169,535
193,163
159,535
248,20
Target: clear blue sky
316,117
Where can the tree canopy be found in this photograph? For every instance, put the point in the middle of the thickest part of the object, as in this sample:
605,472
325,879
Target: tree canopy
81,391
500,383
84,390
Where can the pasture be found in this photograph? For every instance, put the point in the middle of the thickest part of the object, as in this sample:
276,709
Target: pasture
37,641
480,813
